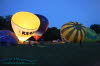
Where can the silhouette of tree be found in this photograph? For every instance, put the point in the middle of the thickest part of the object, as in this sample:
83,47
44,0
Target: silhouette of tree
8,22
51,34
96,28
2,23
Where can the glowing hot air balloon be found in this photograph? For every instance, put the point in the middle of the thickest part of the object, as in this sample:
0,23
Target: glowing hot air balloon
43,26
24,25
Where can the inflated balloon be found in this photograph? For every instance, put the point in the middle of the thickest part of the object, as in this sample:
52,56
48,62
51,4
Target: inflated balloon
43,26
91,35
7,38
24,25
73,31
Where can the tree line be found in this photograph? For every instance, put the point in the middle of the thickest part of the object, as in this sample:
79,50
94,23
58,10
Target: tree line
53,33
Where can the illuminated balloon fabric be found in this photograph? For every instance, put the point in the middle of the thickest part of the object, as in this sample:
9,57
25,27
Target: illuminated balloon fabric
7,36
24,25
73,31
37,36
43,26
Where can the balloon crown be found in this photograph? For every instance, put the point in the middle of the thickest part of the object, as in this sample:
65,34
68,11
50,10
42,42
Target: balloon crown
78,26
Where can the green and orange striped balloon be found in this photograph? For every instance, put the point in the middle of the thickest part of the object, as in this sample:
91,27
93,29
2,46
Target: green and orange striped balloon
73,31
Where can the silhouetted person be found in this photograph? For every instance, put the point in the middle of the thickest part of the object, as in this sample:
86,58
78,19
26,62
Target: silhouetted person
80,43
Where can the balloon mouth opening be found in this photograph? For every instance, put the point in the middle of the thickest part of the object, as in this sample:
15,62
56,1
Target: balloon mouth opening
37,37
20,42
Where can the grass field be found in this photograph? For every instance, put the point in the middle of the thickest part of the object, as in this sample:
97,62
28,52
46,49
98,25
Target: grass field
57,54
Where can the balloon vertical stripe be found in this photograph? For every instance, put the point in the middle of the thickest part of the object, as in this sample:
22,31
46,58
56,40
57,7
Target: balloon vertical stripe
81,35
70,33
76,36
65,29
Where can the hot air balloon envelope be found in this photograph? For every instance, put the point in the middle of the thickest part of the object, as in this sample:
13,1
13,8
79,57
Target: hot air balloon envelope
73,31
91,33
24,25
43,26
8,38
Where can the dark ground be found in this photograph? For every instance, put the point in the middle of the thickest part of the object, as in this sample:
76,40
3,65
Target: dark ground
56,54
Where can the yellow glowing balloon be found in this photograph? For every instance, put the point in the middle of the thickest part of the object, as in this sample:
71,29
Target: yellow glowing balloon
24,25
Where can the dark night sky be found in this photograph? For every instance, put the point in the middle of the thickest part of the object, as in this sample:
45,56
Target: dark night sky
58,12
